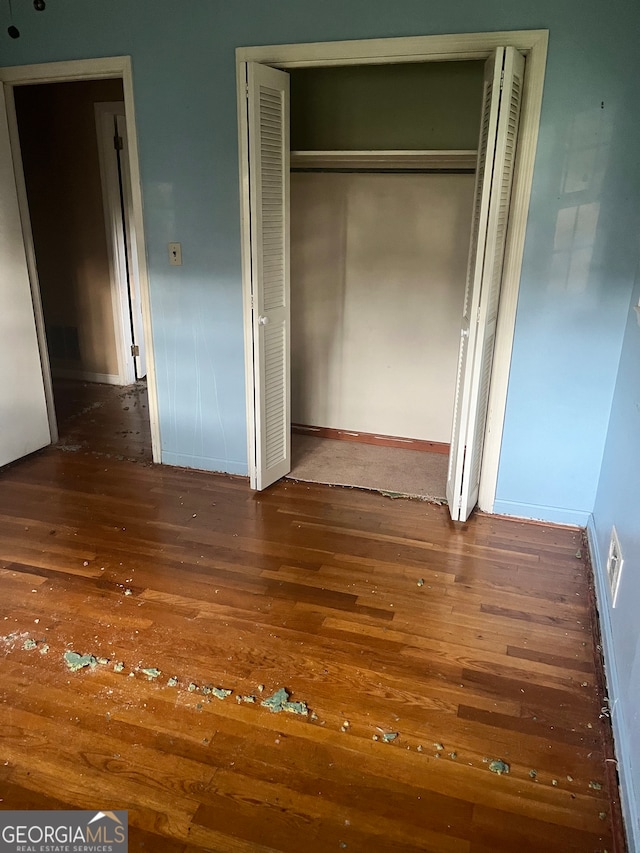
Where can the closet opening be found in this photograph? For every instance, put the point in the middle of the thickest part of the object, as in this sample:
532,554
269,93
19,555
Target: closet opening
506,126
382,173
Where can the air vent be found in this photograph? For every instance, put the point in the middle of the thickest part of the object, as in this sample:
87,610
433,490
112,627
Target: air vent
615,562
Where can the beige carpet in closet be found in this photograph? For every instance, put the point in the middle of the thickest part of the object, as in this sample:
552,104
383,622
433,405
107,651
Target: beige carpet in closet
413,473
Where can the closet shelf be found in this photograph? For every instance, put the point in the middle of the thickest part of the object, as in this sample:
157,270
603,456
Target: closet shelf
380,160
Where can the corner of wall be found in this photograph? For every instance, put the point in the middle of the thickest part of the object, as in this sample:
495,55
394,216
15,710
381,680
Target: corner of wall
628,793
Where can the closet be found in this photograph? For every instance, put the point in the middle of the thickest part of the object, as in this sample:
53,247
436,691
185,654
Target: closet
381,185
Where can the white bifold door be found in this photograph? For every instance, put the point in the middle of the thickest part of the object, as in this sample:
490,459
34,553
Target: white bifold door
268,213
24,423
268,125
502,95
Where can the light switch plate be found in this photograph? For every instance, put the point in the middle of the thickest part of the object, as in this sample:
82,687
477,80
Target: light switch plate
175,254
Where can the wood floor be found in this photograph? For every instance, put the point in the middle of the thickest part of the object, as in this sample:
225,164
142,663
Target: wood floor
105,419
472,642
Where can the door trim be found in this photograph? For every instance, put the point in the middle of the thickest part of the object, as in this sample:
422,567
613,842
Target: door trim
63,72
533,44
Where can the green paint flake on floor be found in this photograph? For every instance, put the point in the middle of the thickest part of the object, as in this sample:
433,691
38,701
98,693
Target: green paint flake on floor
595,786
220,692
118,667
29,645
279,701
172,682
387,737
75,661
498,766
151,672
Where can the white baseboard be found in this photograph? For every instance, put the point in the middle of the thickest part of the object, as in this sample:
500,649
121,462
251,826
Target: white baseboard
554,514
86,376
628,794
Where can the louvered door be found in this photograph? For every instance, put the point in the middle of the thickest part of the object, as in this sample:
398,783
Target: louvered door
496,156
268,120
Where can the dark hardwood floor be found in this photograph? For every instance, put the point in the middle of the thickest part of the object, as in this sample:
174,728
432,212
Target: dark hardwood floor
473,642
106,419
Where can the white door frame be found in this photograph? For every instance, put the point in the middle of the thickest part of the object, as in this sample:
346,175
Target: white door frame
118,246
533,44
64,72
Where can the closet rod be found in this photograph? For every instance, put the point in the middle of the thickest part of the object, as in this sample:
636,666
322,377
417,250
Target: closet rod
409,160
328,170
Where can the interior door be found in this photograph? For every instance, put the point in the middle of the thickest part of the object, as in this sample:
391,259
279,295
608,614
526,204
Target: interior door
268,124
129,236
503,81
24,423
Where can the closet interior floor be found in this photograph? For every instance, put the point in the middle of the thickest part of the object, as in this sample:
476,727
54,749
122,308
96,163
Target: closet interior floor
367,466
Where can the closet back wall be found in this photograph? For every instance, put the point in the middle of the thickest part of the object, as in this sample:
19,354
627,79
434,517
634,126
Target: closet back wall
378,270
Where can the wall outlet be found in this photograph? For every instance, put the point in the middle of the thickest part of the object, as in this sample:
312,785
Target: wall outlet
615,561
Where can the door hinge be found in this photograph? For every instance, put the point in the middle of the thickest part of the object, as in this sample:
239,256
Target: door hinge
501,80
117,143
135,350
246,90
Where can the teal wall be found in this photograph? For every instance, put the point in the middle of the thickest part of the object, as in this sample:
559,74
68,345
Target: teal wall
580,254
618,503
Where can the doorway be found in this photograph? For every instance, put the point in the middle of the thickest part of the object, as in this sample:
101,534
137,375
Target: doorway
79,200
33,396
479,411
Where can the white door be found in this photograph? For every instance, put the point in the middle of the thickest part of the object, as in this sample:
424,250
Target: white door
24,423
268,124
113,153
496,155
133,277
